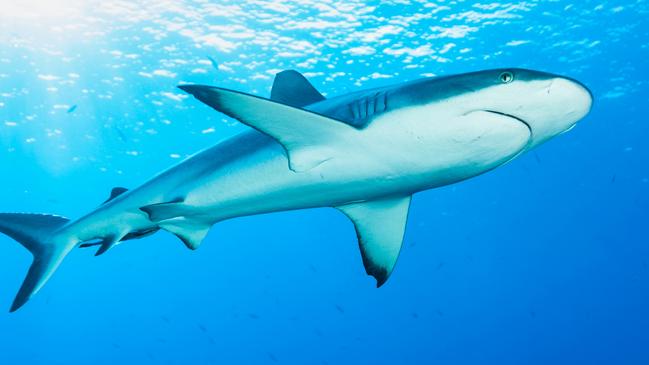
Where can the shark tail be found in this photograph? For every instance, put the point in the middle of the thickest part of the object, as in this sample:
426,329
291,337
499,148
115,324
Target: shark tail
35,233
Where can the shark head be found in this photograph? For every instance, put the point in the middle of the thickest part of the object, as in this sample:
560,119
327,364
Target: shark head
548,104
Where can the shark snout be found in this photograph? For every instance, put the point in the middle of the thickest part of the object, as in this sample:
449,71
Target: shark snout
559,105
573,98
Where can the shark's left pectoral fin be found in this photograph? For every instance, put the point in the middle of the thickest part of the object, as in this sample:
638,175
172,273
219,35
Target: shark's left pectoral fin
306,136
380,227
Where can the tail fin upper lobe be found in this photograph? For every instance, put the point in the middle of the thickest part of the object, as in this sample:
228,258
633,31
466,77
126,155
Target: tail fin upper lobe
34,232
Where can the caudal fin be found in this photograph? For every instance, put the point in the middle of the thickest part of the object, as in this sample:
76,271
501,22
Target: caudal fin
34,231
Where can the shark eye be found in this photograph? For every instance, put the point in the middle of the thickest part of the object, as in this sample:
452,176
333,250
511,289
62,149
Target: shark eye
506,77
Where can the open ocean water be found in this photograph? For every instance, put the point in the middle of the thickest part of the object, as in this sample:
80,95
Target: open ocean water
542,261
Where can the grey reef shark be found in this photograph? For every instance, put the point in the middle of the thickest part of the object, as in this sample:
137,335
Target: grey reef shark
364,153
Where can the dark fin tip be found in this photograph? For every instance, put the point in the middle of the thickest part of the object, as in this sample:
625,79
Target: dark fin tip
14,308
102,249
18,303
381,277
192,88
187,243
379,273
185,88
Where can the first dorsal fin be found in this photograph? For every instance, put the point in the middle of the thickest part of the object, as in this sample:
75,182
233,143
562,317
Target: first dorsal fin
117,191
292,88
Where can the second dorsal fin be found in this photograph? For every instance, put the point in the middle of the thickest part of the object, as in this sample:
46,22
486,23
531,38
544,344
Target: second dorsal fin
292,88
117,191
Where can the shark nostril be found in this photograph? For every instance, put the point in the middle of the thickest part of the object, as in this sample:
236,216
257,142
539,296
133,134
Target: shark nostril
550,86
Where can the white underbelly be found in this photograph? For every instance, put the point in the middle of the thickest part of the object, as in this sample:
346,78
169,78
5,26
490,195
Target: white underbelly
422,149
400,154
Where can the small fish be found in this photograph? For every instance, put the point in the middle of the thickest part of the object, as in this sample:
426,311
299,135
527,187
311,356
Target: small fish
613,179
340,309
72,108
440,265
202,328
213,62
253,316
121,134
537,158
414,315
272,356
165,319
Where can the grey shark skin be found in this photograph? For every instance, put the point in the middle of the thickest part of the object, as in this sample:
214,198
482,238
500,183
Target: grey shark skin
364,153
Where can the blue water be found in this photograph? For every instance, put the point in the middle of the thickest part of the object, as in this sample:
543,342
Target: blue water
542,261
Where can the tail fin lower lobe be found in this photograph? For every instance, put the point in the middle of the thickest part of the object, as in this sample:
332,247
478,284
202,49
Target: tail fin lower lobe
34,232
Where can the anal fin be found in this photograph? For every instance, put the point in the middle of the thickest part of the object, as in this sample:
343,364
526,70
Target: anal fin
106,245
109,242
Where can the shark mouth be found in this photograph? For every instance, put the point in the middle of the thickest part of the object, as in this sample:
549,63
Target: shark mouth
524,122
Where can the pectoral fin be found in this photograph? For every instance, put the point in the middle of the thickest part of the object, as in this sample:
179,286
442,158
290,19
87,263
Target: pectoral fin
306,136
380,227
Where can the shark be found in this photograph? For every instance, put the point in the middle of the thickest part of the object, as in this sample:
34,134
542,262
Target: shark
364,153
